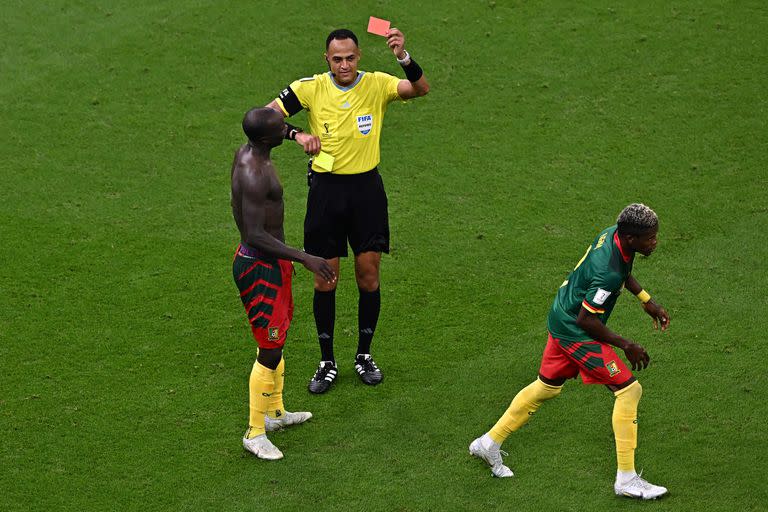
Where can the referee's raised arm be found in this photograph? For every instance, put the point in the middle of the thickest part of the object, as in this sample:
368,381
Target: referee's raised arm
347,206
416,83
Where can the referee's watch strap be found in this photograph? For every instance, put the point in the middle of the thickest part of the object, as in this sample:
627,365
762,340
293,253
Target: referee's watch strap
291,131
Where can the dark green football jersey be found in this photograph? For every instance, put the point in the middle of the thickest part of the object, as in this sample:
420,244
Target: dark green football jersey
594,284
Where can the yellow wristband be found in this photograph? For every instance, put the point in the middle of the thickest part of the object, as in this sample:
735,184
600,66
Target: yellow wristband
643,296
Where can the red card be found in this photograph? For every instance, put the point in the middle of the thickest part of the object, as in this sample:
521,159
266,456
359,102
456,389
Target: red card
378,26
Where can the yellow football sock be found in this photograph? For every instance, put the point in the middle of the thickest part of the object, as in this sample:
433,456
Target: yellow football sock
276,408
525,403
260,387
625,425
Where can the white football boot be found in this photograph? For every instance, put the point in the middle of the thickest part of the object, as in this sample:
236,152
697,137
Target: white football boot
262,447
286,419
491,453
639,488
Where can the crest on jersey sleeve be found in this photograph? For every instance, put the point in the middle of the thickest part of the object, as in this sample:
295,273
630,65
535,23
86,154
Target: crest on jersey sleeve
365,123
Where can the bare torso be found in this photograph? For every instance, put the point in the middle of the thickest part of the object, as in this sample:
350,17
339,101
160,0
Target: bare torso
256,176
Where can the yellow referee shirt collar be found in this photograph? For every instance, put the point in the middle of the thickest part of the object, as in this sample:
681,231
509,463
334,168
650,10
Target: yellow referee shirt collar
350,86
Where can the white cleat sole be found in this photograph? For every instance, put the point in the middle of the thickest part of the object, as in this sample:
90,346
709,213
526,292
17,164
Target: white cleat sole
654,496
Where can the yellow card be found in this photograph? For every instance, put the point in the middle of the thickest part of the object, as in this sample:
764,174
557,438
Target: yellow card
323,161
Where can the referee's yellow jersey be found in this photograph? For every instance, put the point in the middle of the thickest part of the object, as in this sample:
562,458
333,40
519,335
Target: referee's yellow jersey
348,119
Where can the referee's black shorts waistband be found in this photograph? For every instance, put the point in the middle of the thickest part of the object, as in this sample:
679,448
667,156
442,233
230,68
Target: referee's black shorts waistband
332,177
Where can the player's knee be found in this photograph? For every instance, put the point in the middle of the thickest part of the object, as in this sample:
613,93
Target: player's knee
321,285
546,391
632,392
367,278
270,357
368,283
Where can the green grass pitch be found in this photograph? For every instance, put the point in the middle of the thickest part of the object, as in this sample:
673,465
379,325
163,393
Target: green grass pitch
124,351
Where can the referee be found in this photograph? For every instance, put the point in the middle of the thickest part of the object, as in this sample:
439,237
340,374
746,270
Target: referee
347,202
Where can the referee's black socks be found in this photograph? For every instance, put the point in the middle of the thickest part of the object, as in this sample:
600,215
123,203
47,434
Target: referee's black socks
368,309
324,309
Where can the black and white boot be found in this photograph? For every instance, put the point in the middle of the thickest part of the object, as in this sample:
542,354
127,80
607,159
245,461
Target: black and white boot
323,378
367,370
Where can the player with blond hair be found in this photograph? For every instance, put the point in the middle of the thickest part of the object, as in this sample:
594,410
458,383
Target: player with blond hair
579,342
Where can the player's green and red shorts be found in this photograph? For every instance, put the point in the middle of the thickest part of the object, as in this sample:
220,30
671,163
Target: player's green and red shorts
597,362
265,289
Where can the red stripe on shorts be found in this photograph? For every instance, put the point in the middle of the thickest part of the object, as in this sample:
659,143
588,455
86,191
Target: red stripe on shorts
258,300
248,270
255,284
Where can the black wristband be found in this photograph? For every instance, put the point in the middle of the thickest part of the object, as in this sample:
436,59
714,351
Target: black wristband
412,71
291,131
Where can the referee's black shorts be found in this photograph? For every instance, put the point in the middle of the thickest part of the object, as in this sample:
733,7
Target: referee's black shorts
346,207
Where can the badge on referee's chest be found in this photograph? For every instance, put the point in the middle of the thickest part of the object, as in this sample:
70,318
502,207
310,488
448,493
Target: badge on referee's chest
327,129
365,123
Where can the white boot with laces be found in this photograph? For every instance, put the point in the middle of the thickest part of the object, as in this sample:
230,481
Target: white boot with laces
262,447
638,487
286,419
485,448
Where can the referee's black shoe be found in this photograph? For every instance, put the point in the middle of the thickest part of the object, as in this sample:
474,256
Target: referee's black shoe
367,370
324,377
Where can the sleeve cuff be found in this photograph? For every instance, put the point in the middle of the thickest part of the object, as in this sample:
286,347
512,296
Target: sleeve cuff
592,309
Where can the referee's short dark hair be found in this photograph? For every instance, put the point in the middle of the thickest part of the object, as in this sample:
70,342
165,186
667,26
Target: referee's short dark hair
340,33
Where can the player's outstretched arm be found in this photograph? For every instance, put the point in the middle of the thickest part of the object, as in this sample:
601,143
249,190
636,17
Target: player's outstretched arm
255,187
597,330
655,311
416,84
319,266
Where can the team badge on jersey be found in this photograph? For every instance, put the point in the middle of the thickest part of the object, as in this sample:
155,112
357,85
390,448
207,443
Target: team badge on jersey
613,368
273,333
365,123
